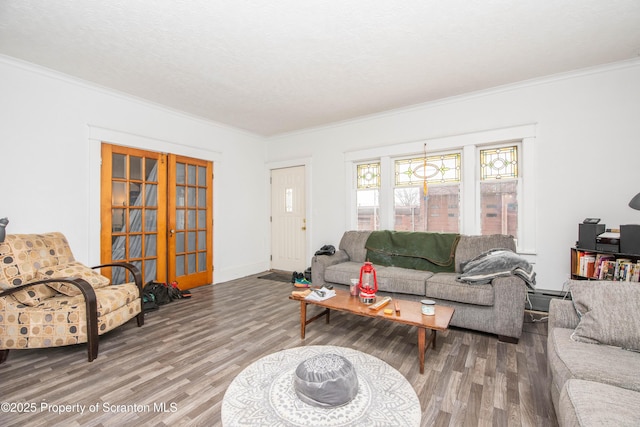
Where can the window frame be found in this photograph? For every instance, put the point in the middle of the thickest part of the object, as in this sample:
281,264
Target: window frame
447,183
375,187
469,145
518,178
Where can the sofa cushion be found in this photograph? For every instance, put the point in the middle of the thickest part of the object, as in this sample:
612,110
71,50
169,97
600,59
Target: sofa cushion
608,313
353,243
586,403
390,279
601,363
402,280
72,269
470,247
445,286
345,271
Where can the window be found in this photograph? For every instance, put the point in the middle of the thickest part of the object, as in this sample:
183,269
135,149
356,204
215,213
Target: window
367,196
477,183
427,193
499,190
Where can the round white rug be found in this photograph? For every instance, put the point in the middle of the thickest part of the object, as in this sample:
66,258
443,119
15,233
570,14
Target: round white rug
263,394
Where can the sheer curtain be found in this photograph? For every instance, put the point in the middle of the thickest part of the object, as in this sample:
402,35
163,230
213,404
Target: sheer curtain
118,246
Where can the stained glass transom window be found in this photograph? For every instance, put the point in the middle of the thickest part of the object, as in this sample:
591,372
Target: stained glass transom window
499,163
368,175
437,169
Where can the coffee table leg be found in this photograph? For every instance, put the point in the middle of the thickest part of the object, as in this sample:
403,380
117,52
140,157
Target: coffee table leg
303,318
421,347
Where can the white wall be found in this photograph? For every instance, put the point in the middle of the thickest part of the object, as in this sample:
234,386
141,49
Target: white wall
50,132
587,151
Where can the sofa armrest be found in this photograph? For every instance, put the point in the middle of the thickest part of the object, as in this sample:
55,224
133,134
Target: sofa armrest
320,262
510,294
562,314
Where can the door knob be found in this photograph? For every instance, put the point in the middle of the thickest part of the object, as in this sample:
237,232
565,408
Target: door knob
304,228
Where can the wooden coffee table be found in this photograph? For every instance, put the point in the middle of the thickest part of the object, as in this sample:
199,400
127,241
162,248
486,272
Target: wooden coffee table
410,314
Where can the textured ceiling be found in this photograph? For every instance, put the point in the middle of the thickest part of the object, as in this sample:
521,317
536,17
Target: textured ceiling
277,66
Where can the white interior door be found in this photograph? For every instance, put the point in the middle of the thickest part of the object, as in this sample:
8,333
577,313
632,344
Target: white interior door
288,222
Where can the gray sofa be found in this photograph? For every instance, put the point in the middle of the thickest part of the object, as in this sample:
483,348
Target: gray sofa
594,381
496,308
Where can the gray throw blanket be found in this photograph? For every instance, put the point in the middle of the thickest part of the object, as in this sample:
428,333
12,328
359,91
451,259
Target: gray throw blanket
497,263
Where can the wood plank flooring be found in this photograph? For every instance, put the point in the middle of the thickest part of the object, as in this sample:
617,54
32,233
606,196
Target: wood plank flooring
176,368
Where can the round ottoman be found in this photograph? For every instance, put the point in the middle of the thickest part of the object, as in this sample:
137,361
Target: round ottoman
263,394
326,380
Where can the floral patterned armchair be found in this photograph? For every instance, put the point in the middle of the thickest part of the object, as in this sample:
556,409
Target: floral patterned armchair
48,299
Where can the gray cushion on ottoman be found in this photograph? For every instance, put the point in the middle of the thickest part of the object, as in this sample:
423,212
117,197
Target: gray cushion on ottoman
326,380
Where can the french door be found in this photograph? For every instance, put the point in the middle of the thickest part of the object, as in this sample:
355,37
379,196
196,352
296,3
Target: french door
190,221
157,214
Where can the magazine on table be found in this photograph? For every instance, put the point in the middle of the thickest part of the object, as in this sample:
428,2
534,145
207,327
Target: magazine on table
321,294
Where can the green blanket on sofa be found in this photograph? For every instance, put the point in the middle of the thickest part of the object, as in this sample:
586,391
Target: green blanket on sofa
416,250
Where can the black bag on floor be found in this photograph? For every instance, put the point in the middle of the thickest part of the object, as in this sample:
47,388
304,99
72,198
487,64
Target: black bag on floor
160,292
149,301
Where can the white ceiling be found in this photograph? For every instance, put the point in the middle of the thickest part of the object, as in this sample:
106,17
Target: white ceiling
276,66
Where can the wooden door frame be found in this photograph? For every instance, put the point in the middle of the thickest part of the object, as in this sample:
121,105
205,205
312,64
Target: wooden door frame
99,134
165,217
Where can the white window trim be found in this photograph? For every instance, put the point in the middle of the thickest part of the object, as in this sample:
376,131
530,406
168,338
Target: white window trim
468,144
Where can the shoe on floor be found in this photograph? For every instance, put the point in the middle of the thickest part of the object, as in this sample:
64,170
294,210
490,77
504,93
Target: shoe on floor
301,285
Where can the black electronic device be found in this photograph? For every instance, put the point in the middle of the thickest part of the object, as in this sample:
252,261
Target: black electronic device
587,234
630,239
608,241
591,220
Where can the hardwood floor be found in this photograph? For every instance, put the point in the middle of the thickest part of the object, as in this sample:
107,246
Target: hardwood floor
176,368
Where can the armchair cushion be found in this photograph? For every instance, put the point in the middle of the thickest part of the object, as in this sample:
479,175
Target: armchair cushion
17,255
71,269
108,299
20,256
61,320
34,295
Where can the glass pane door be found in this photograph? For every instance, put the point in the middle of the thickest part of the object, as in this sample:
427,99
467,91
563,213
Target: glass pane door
190,234
133,200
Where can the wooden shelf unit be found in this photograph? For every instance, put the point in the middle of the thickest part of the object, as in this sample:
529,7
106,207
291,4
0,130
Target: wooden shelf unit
629,263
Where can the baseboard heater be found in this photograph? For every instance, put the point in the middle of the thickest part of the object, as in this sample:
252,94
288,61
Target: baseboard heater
539,300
